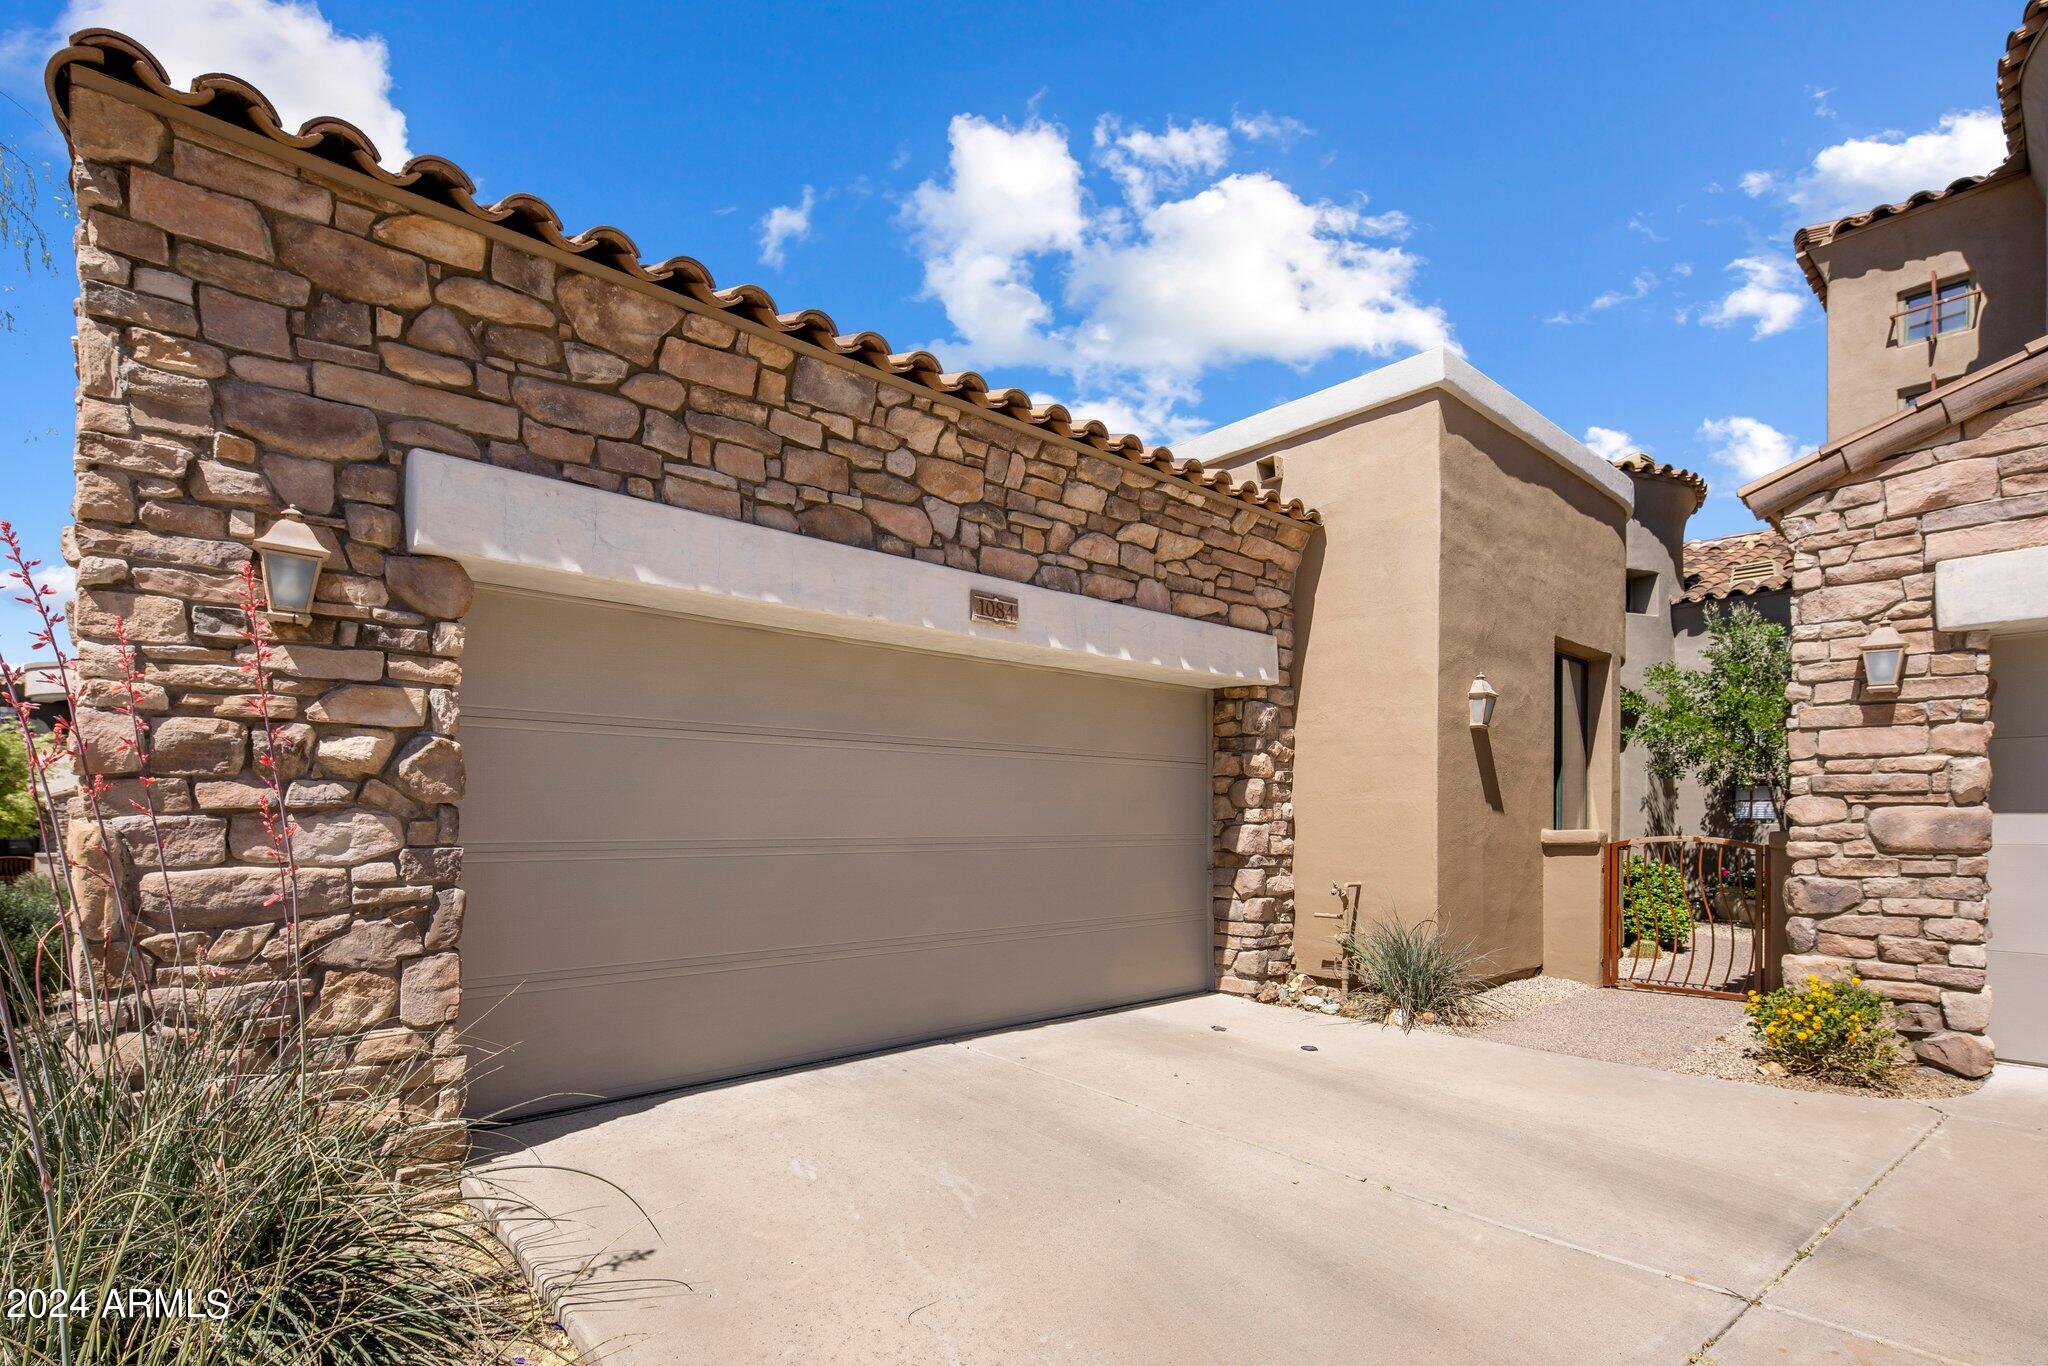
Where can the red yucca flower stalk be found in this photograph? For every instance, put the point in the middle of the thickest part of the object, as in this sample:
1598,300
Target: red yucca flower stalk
92,787
137,744
278,827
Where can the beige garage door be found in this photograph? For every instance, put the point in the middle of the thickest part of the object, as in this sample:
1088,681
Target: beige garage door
2019,848
696,850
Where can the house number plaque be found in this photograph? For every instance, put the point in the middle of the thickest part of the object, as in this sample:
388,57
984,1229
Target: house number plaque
992,608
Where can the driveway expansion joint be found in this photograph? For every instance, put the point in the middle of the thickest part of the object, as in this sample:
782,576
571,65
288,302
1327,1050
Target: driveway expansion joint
1812,1245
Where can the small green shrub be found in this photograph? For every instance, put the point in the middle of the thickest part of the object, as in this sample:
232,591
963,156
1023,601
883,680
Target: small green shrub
1413,969
1837,1031
1653,904
28,922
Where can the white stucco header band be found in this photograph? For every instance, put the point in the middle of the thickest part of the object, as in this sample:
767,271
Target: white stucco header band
1440,368
526,531
2006,592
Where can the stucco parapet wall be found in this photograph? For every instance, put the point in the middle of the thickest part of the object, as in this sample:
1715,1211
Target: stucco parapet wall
1441,370
1978,392
527,531
115,64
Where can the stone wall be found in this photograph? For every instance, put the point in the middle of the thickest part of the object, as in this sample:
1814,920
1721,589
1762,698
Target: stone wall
257,329
1888,817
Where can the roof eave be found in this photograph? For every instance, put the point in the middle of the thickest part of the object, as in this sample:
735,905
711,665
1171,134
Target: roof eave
1978,392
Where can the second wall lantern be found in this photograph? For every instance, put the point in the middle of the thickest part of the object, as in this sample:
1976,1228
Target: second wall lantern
292,556
1481,700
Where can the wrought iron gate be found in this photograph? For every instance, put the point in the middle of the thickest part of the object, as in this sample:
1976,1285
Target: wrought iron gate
1692,914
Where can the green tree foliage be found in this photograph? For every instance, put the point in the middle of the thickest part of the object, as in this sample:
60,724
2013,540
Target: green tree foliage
1723,725
17,801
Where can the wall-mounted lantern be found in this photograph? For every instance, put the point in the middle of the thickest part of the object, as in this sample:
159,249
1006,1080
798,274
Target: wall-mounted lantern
1481,700
292,556
1884,661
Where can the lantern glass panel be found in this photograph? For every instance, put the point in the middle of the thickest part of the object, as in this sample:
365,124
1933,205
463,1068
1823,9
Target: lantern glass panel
290,580
1882,666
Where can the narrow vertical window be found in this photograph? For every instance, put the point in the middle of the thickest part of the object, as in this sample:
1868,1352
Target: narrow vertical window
1571,721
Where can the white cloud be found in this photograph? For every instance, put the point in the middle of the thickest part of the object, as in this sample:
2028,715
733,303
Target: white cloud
1863,173
1770,295
1263,126
1145,163
1821,108
1639,287
1609,444
1749,447
1757,184
1015,193
285,48
1147,296
19,623
783,224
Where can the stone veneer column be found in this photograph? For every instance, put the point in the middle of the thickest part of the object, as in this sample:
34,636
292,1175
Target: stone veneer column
1254,861
258,328
1888,819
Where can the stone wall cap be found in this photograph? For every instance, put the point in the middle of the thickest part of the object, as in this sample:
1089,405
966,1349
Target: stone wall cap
123,61
1569,841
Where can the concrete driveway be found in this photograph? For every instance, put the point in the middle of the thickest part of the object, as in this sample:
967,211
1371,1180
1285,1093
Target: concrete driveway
1212,1180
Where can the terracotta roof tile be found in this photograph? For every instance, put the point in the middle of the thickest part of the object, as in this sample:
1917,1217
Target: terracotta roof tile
2019,46
236,102
1643,467
1741,565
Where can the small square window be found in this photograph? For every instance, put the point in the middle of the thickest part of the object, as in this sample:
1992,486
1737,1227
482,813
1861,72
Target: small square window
1642,591
1753,804
1950,307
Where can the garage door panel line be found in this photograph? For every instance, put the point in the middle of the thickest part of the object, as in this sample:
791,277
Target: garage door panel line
798,955
496,718
797,846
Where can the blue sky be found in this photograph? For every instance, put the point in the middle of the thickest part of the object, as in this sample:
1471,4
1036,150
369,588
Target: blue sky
1167,216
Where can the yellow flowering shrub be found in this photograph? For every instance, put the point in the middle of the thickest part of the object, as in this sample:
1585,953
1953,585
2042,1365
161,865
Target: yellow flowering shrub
1838,1031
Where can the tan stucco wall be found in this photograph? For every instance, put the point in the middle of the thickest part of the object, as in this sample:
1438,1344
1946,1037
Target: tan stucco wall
1449,546
1994,234
1365,742
1656,544
1532,561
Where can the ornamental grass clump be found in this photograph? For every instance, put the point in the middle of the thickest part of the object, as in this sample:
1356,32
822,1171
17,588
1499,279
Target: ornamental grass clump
1834,1031
188,1174
1414,970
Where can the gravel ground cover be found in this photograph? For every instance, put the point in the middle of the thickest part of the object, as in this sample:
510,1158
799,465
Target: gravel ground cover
1648,1029
1696,1035
1719,958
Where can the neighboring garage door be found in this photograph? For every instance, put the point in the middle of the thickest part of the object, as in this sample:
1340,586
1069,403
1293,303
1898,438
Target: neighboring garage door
2019,848
696,850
